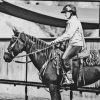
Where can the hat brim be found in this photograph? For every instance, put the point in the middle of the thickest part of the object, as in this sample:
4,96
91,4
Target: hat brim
63,11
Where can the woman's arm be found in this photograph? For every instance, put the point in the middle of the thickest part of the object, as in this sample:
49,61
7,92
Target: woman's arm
70,30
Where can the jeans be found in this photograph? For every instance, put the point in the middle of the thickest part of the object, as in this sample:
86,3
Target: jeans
70,52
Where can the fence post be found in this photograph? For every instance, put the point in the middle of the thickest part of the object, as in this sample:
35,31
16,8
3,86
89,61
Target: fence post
99,19
26,96
71,94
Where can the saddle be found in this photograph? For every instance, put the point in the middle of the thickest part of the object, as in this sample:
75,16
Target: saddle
87,58
80,57
55,57
90,57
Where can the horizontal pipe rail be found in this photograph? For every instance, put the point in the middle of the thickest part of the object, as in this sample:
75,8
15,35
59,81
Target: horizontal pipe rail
15,82
41,85
84,89
83,0
87,39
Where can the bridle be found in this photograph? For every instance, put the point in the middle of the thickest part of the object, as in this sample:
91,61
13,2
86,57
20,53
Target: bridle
12,46
17,39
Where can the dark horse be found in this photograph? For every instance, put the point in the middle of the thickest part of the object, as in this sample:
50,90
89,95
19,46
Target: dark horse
22,42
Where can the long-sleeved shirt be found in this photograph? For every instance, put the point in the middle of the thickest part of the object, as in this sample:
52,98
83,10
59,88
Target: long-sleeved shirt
73,33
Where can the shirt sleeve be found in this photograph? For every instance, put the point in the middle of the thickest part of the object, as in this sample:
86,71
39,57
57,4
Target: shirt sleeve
70,30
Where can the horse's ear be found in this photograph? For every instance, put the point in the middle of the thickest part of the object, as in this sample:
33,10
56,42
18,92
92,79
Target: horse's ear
16,33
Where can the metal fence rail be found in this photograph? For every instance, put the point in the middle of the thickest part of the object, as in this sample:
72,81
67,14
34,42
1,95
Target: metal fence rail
41,85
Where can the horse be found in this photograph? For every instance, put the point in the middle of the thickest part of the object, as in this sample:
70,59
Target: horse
40,53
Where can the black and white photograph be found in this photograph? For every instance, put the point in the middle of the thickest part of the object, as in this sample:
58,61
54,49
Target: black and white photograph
49,50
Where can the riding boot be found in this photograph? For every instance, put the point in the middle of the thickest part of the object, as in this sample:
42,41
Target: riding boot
66,65
68,78
68,74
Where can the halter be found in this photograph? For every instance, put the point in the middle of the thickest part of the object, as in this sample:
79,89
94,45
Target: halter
17,38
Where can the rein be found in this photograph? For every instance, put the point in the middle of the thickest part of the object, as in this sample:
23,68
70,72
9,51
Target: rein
30,54
33,53
39,50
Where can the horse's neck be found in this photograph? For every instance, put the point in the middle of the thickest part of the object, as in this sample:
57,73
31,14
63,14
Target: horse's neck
33,43
38,58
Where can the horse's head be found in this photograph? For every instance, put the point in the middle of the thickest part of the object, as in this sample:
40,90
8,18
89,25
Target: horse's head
16,46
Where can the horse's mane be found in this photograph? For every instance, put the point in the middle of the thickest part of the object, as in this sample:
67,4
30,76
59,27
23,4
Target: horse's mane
42,46
40,43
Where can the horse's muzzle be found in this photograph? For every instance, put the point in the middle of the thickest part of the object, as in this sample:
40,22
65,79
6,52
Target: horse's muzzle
8,57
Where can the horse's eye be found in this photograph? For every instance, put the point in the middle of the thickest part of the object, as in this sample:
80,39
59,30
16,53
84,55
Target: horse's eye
13,40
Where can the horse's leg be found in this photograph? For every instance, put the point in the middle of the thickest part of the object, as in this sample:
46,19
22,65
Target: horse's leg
54,92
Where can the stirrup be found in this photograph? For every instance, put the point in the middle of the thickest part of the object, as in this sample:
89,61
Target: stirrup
67,80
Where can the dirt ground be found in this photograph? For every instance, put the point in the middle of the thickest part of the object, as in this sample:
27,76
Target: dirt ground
65,97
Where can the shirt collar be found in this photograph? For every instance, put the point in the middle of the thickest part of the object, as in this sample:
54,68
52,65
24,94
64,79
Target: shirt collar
73,18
